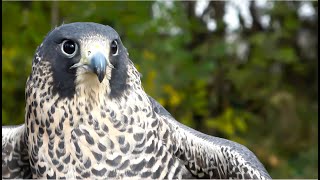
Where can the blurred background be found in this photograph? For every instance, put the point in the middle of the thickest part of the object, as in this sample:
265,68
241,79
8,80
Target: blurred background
242,70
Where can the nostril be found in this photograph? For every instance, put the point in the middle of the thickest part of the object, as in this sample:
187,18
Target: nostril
89,52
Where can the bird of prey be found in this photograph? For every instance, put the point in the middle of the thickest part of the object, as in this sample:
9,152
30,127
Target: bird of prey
87,116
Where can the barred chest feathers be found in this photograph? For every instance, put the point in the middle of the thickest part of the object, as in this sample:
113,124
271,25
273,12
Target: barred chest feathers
82,138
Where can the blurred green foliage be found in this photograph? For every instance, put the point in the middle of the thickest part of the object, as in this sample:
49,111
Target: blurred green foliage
256,85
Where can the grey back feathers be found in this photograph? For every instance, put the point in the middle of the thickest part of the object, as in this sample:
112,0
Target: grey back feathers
81,125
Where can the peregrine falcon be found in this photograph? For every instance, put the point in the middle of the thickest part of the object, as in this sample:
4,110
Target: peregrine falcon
87,116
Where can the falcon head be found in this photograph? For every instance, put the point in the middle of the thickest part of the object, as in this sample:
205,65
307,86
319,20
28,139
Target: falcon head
83,56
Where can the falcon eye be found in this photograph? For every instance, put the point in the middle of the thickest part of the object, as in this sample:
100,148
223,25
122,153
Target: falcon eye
114,47
69,48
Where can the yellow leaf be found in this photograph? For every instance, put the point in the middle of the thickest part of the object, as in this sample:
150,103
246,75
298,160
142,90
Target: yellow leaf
148,55
162,101
175,97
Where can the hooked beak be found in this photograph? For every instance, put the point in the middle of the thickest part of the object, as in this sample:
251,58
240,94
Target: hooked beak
95,63
98,64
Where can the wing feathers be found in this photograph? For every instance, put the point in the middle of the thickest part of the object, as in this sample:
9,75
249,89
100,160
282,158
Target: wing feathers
211,157
15,161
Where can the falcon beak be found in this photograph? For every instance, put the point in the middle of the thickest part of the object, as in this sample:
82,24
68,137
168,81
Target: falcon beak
95,63
98,64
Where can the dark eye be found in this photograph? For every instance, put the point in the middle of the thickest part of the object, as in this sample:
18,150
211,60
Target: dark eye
114,48
69,48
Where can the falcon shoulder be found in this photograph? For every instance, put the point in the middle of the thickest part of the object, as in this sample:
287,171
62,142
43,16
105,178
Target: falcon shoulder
210,157
15,159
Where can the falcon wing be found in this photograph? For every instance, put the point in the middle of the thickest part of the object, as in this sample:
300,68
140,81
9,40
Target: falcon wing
15,159
211,157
